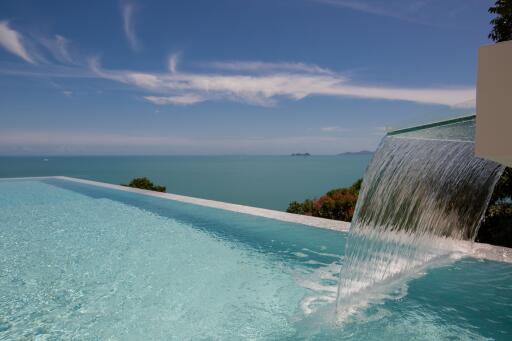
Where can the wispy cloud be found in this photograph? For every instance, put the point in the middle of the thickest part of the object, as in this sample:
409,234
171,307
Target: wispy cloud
251,82
437,13
173,62
37,49
362,6
127,12
49,57
267,88
468,104
265,67
380,130
58,47
334,129
186,99
12,41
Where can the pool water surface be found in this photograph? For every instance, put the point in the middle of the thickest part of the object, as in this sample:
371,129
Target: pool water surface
89,263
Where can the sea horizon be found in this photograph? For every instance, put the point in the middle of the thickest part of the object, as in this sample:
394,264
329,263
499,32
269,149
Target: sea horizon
185,154
266,181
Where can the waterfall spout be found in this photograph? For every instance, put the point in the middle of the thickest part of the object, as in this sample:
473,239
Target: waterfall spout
417,196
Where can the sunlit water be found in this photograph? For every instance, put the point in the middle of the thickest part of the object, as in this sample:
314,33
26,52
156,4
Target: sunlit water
418,196
85,263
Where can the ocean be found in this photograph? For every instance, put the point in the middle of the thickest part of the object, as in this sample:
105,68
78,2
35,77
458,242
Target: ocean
262,181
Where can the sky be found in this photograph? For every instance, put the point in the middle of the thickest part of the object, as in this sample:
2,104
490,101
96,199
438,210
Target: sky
231,76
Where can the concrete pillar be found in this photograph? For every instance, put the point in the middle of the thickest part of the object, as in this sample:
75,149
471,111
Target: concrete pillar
493,138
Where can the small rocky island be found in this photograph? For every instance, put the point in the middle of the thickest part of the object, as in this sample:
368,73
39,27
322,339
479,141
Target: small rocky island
301,154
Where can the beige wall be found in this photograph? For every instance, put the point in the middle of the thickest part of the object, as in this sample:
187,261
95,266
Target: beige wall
494,103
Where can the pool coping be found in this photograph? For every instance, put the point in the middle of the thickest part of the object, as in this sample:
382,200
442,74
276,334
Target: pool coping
473,249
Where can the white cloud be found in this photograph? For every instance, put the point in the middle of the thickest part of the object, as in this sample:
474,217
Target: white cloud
266,89
363,6
179,100
380,130
12,41
334,129
127,13
173,62
256,83
470,104
36,48
67,93
264,67
58,47
435,13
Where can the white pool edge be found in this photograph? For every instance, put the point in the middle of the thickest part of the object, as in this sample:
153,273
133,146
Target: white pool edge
476,250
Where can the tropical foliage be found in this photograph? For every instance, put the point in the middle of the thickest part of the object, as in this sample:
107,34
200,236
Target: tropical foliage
338,204
502,23
496,228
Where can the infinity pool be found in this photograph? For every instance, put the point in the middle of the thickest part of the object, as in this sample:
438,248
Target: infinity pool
84,262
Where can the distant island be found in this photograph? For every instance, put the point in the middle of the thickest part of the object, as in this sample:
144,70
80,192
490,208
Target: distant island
362,152
301,154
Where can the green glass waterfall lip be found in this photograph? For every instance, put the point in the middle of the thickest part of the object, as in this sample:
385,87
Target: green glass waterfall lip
432,125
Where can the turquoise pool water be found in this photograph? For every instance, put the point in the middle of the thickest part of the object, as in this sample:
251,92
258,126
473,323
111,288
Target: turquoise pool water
87,263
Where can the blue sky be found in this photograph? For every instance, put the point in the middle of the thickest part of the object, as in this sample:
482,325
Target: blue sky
230,77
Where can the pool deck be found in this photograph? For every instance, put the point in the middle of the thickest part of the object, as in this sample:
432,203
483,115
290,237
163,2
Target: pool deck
477,250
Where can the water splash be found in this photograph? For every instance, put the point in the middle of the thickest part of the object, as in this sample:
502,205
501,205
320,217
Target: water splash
418,195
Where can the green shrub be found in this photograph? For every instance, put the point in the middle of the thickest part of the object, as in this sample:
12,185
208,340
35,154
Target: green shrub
295,207
145,183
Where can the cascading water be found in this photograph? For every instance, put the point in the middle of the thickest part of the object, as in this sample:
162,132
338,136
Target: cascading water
417,196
